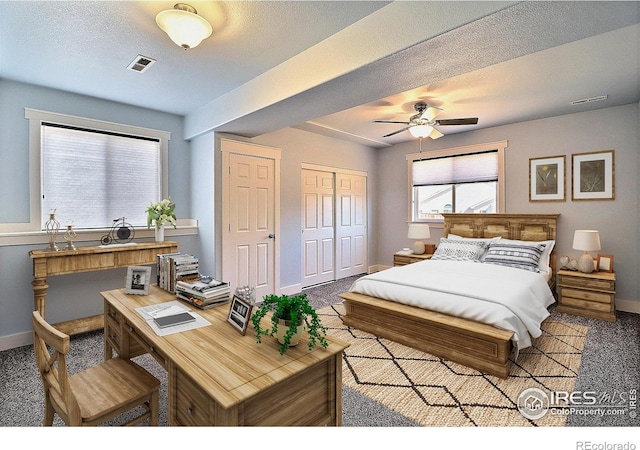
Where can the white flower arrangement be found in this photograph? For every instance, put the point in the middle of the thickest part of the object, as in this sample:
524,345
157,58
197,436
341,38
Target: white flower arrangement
161,212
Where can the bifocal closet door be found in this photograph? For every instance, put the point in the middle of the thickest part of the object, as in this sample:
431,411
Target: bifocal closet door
317,227
351,225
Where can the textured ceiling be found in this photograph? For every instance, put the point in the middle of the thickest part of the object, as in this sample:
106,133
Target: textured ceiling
333,67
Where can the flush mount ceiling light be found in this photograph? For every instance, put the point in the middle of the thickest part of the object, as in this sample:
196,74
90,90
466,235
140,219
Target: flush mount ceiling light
184,26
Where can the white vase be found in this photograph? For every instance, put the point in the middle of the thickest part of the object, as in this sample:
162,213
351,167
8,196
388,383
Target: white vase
283,326
159,233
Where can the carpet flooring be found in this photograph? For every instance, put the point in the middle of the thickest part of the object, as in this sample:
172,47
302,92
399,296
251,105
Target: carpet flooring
610,364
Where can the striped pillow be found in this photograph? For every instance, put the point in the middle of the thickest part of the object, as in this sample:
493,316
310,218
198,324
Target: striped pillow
457,250
521,256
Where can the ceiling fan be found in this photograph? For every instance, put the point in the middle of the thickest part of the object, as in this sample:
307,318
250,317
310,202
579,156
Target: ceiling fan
422,124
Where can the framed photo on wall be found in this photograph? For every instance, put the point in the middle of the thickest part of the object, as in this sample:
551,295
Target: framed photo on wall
239,314
546,179
593,176
138,279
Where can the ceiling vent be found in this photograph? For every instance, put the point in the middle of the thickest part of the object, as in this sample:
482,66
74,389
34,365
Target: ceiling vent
599,98
141,63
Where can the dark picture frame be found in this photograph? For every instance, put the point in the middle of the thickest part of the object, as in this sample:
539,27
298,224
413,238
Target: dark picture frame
547,179
239,314
137,280
593,176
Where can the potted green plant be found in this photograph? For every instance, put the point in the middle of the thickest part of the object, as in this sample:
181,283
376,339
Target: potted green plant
290,314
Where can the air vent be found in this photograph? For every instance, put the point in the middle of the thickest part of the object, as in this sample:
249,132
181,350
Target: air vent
141,63
599,98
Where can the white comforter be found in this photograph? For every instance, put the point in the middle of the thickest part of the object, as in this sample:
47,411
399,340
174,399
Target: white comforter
505,297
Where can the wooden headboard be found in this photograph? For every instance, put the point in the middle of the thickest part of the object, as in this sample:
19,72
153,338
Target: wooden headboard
524,227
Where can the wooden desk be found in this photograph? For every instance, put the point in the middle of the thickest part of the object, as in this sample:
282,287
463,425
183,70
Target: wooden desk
216,376
88,259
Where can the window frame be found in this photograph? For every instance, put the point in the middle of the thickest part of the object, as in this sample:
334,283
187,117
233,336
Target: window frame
500,146
36,117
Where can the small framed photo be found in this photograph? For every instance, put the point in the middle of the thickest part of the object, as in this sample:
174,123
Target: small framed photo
593,176
546,179
605,263
138,279
239,314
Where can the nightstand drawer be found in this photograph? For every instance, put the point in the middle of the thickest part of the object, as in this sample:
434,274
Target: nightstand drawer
585,295
586,305
587,283
400,259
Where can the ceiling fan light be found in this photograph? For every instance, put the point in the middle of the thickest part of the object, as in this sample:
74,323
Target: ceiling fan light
184,26
421,131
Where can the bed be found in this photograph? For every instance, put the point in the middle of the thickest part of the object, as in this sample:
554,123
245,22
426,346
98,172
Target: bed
485,345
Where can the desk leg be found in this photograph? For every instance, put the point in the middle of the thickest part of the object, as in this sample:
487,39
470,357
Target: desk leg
39,294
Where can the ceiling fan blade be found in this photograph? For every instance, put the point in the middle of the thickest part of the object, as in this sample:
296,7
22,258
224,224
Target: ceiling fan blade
435,134
467,121
430,113
396,132
390,121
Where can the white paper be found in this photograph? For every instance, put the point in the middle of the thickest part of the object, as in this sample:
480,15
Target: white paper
167,309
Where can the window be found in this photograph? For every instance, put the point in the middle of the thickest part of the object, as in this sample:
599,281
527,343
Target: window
461,180
93,172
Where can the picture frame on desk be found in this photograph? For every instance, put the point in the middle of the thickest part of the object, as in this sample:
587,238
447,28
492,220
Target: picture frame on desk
239,314
605,263
137,280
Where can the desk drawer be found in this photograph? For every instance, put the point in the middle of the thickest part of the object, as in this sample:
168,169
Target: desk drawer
138,346
192,405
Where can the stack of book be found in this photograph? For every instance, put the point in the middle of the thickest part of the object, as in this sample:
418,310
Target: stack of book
174,267
203,295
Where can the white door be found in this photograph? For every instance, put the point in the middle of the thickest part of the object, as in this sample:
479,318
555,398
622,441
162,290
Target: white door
351,225
249,234
317,227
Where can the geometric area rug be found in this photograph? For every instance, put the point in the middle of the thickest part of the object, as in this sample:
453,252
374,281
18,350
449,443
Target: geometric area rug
435,392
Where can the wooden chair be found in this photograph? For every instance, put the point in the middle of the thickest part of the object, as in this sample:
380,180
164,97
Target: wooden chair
94,395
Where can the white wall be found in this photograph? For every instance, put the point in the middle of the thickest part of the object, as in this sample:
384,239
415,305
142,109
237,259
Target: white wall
605,129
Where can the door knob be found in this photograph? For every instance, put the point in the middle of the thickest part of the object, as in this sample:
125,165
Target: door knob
272,236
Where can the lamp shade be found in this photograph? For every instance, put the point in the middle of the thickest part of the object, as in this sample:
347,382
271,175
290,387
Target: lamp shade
184,26
421,131
419,231
586,240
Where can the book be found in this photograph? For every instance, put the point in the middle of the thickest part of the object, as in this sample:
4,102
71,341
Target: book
172,320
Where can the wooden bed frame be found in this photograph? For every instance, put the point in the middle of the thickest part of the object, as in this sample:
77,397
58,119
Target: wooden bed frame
476,345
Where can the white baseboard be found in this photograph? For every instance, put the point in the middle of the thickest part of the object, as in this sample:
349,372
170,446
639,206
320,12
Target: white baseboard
290,290
628,306
16,340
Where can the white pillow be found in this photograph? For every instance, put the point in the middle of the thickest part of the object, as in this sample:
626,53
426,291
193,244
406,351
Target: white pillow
543,264
455,237
460,250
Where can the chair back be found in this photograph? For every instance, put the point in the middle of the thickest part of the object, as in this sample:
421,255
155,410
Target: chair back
51,347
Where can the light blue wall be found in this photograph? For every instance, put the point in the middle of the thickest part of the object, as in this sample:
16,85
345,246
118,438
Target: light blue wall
69,296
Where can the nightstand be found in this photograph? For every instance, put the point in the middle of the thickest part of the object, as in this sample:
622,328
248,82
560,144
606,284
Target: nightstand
587,294
402,259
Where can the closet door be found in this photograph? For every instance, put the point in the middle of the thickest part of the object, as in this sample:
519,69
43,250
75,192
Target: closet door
351,225
317,227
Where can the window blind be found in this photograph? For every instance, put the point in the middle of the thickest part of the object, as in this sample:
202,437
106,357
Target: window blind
91,177
456,169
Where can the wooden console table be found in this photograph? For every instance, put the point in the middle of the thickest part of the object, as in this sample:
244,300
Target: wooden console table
89,259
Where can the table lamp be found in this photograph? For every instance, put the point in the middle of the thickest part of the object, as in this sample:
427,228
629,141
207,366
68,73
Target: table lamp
586,240
418,231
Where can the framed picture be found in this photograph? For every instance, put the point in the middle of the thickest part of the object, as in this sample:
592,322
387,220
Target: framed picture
138,279
546,179
239,314
605,263
593,176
